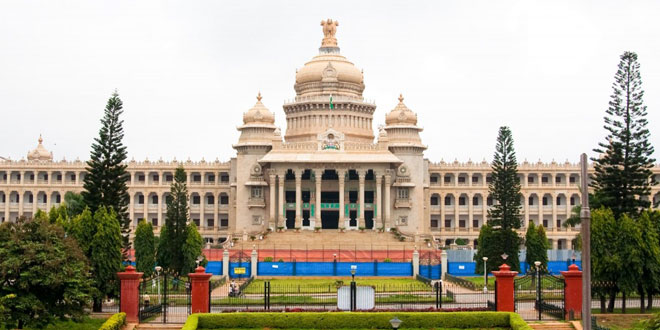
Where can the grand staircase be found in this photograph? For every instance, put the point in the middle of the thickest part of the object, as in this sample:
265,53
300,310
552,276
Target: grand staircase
330,239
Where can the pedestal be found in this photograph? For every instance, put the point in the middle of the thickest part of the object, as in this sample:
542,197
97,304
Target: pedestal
573,292
130,293
505,293
199,295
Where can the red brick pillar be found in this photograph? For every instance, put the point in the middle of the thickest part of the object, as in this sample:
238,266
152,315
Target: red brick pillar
573,291
505,295
130,293
200,290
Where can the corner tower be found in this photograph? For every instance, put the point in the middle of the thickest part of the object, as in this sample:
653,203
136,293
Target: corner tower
329,95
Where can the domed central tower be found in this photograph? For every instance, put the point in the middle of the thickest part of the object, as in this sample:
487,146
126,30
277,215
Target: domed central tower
329,95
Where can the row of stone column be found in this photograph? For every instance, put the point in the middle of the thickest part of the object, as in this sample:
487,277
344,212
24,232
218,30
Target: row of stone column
277,179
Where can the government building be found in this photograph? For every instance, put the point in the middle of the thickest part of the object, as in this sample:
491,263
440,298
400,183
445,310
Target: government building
329,171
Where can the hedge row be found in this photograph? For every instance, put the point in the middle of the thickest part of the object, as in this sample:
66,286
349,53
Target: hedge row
115,322
357,320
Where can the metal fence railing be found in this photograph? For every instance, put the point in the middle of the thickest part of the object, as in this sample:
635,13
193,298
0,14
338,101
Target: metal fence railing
428,295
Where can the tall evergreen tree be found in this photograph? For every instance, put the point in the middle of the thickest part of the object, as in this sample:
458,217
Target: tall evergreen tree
536,244
145,250
173,234
505,185
105,182
504,216
623,169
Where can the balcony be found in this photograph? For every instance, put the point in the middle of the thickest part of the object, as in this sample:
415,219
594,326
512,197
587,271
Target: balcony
256,202
194,207
209,207
153,206
403,203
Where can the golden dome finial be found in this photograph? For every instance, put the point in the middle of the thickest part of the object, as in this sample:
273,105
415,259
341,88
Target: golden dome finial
329,30
40,139
401,97
259,96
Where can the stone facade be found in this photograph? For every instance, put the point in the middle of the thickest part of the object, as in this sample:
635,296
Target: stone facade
328,171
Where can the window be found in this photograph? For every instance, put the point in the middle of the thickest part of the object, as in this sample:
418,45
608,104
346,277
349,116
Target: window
169,178
447,223
208,240
572,200
154,222
197,178
140,178
224,222
210,200
558,200
544,179
58,199
573,179
31,177
560,244
475,179
154,178
46,177
59,177
489,201
461,201
224,177
475,223
475,200
211,178
558,223
557,179
434,222
196,199
530,179
196,221
256,192
141,199
224,199
73,177
489,179
545,201
402,193
154,199
461,179
461,223
434,200
434,179
447,200
447,178
30,199
545,223
531,200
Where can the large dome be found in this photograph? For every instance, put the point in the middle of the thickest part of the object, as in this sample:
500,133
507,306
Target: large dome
329,66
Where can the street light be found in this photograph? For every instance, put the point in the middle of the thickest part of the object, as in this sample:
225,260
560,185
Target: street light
485,275
158,269
538,286
395,322
353,269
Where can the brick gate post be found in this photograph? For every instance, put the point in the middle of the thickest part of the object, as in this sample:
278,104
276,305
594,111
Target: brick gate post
505,294
199,295
130,293
573,291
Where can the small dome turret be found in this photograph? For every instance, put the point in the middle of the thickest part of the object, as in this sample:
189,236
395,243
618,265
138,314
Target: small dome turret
258,114
401,115
40,153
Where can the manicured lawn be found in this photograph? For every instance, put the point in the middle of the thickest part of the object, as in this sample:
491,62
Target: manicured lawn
86,324
328,285
330,300
629,310
620,321
528,285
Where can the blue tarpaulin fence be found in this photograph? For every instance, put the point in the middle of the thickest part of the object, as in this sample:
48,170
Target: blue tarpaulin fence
387,269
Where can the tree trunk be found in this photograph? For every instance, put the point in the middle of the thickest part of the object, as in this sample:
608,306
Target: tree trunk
623,303
642,308
97,306
650,299
610,306
602,303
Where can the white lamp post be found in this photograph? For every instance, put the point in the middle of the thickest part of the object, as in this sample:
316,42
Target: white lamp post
158,269
485,275
395,322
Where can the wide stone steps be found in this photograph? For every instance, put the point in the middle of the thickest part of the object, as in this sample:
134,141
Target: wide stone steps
329,239
551,326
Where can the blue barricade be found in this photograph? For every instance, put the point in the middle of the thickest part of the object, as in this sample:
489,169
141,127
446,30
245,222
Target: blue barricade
389,269
214,267
242,266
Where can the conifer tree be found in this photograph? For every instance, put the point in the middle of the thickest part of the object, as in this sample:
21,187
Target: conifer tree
105,255
105,182
623,168
173,234
536,244
504,216
192,249
145,250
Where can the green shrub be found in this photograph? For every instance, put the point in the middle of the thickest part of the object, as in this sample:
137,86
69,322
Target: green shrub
387,260
115,322
517,323
268,259
191,322
357,320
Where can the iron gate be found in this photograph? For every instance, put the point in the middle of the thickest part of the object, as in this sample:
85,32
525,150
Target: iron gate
239,261
164,299
540,296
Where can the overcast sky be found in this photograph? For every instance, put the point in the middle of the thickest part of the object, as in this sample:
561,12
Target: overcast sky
187,70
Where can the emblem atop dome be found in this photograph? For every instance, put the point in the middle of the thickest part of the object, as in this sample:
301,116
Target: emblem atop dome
329,30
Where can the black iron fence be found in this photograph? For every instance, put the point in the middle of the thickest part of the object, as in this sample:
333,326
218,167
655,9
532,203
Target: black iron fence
608,297
264,296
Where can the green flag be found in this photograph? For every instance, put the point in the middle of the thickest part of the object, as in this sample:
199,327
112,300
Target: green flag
332,106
